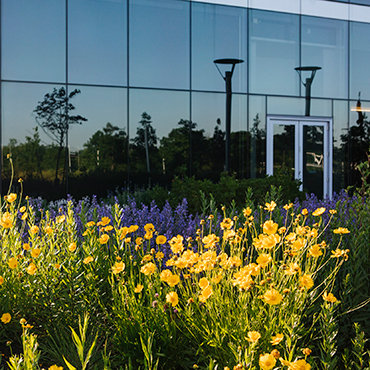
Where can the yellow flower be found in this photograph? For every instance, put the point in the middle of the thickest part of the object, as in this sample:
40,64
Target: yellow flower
132,228
306,281
35,252
139,240
339,253
88,259
210,240
272,297
161,239
270,227
288,206
55,367
149,227
247,212
341,231
104,221
217,278
159,255
332,211
315,251
329,297
292,269
72,247
6,317
60,219
205,293
304,212
226,224
6,220
48,229
270,206
176,244
298,244
108,228
104,239
318,211
203,283
276,339
57,266
296,365
13,263
118,267
34,229
148,269
22,209
253,336
264,259
1,280
11,197
31,269
90,224
173,280
138,288
26,246
165,274
172,298
306,351
267,361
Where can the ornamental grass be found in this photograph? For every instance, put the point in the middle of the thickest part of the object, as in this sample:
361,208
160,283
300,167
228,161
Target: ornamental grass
255,290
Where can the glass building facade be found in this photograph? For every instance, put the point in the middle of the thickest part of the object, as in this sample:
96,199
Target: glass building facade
105,94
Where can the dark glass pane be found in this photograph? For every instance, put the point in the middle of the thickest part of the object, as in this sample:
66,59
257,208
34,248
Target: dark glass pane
159,43
159,136
313,160
340,145
284,154
208,112
28,50
218,32
273,53
97,42
257,129
359,60
325,44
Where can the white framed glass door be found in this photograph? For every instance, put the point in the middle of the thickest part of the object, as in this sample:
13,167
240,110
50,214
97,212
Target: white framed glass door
302,147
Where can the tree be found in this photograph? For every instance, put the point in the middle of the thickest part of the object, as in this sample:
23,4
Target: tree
53,116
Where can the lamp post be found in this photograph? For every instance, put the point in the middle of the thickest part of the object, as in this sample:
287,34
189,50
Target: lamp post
228,75
307,84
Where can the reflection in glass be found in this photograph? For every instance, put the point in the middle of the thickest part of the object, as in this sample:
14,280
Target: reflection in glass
340,153
284,154
97,44
218,32
313,159
257,129
167,131
28,52
151,63
359,60
325,44
273,53
208,113
286,106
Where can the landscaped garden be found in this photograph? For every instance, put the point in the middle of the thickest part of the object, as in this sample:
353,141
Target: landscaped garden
119,285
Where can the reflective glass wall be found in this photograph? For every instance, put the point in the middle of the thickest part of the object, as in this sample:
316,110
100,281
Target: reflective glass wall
145,101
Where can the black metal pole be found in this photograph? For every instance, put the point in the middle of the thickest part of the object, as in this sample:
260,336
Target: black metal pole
308,95
228,76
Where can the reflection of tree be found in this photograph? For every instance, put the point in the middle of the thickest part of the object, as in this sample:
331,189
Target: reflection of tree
258,148
356,141
144,151
52,115
105,150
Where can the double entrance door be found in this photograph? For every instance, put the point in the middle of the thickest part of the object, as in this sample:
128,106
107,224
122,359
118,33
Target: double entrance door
302,147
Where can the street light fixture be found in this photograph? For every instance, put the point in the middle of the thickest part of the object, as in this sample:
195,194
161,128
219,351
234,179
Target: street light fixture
307,84
228,75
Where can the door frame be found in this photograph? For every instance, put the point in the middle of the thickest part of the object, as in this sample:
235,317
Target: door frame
298,122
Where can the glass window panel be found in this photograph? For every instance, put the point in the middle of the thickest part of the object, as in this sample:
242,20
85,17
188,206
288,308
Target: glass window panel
33,152
218,32
340,145
33,40
257,129
159,43
286,106
273,53
359,60
325,44
159,136
97,43
363,2
208,112
321,107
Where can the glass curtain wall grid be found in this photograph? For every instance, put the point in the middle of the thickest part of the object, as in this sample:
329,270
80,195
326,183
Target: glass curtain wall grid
138,103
